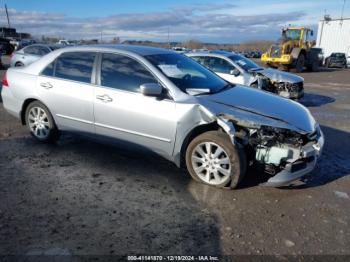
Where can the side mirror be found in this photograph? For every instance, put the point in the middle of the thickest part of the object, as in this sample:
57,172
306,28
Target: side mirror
235,72
312,32
151,89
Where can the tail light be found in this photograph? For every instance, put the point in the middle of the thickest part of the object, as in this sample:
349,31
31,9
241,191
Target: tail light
5,83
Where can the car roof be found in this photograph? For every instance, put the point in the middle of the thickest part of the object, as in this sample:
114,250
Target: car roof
213,52
46,45
137,49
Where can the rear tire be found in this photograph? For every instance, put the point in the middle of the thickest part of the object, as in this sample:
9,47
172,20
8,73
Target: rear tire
41,123
212,159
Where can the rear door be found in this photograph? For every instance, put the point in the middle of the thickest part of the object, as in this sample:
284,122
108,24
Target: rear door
65,88
122,112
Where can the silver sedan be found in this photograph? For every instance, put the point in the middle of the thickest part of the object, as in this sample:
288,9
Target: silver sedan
165,102
31,53
238,69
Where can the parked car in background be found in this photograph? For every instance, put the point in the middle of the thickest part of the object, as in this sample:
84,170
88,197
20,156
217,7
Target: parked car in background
237,69
31,53
25,42
336,60
180,49
6,47
66,42
256,54
167,103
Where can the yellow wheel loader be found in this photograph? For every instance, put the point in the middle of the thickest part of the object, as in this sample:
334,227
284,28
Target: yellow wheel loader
294,51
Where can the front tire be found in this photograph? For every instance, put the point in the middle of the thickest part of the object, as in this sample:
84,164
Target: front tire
212,159
299,67
40,122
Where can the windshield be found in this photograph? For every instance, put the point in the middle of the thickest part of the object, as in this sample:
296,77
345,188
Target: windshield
338,55
245,63
189,76
292,34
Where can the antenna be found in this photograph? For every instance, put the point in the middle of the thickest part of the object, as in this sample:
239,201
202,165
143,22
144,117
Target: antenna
7,15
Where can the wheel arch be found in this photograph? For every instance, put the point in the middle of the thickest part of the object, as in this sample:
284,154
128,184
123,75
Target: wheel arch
196,131
25,105
16,63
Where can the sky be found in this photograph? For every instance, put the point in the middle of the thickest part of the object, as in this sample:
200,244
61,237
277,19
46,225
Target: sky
220,21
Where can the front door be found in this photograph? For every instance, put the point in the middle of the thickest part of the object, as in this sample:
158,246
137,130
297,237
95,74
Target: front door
226,70
122,112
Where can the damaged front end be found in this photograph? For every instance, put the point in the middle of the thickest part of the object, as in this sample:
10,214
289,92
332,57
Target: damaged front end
284,154
280,83
277,134
289,90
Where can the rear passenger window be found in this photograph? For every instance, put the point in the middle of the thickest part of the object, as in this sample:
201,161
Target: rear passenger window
75,66
32,50
122,72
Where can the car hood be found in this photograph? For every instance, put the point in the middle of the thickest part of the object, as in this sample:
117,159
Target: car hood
275,110
280,76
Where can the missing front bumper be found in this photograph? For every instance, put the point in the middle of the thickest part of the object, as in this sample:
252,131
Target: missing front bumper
298,169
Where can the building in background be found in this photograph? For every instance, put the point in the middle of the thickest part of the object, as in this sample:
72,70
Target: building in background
334,35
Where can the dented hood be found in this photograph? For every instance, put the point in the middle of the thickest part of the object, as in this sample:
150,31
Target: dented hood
261,104
280,76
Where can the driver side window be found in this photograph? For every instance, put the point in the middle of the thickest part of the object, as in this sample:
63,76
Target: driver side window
220,65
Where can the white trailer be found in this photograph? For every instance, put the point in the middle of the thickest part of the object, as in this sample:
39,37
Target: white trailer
333,35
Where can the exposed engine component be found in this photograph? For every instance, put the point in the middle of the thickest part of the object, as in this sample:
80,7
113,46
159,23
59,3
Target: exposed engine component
275,147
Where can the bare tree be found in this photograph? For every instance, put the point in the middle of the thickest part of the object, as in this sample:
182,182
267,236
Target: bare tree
193,44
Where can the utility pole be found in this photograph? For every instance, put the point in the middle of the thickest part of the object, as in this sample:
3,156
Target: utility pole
7,15
168,38
342,10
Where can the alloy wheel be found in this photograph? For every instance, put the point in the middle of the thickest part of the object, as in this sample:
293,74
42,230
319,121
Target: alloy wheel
38,122
211,163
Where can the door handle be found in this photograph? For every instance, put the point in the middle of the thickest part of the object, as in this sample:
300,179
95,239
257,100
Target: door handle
46,85
105,98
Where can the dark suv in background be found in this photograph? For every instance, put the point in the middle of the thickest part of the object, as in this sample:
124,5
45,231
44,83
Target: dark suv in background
336,60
